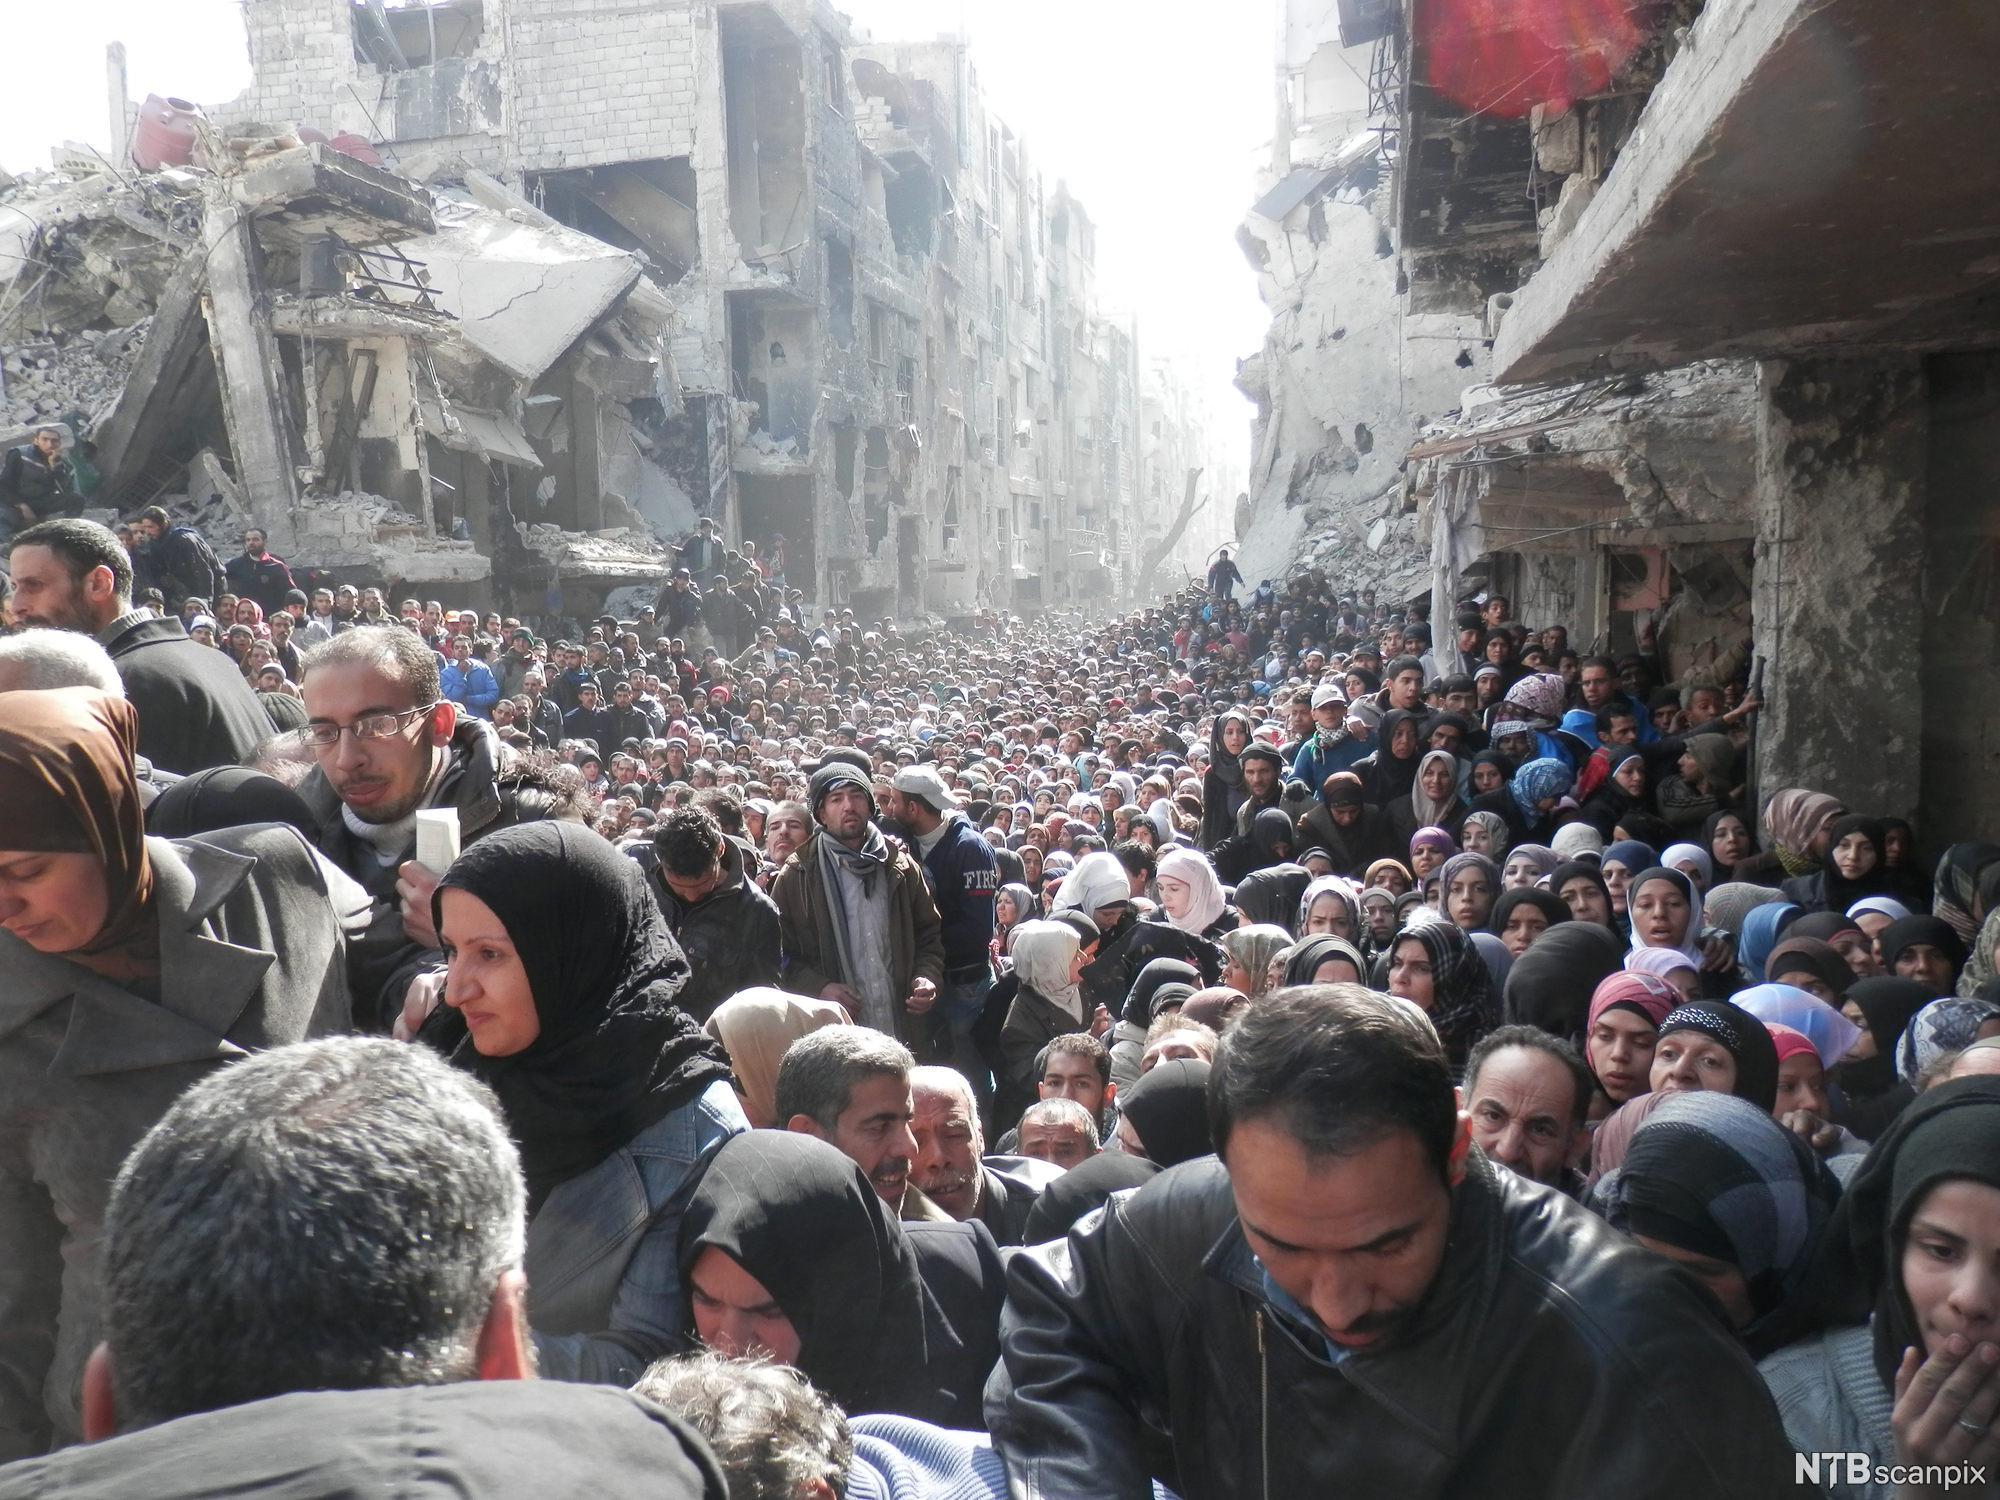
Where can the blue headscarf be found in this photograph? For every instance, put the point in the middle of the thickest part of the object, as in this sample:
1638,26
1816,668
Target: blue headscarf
1761,930
1630,853
1538,780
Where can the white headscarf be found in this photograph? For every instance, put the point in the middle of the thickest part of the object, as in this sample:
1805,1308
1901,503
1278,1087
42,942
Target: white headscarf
1043,952
1690,943
1098,880
1206,903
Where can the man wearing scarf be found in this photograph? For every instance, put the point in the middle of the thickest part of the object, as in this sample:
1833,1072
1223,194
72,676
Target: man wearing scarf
858,922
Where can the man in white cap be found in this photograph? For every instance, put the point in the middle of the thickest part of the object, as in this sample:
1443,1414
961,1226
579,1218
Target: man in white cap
964,877
1332,746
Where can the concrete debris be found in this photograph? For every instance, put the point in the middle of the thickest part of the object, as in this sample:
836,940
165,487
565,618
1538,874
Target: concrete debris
79,375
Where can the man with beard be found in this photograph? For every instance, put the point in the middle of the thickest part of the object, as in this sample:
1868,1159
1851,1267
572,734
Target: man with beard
195,710
388,742
858,922
1263,769
1352,1299
255,574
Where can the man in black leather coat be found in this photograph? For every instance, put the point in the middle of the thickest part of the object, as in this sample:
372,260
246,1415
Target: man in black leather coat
1353,1300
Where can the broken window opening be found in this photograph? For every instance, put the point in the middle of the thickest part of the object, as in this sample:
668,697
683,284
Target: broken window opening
764,120
399,37
911,206
771,364
643,206
840,290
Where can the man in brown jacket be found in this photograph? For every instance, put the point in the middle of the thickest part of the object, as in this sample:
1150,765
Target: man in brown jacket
857,920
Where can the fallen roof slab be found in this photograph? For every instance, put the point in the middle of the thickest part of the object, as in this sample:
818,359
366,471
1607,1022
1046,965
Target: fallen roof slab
523,293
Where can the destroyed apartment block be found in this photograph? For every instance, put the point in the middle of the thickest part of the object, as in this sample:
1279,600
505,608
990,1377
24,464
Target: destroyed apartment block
405,387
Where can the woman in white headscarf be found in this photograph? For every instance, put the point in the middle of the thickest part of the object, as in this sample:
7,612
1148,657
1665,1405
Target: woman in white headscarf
1190,896
1048,960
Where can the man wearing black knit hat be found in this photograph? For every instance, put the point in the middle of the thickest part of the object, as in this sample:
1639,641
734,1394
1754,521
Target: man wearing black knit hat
857,920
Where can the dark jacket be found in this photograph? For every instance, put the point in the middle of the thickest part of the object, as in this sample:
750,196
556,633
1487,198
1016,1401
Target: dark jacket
184,564
730,936
482,1437
46,489
964,878
1133,944
544,723
592,725
961,1269
812,951
1550,1357
383,961
195,710
1033,1021
622,724
1013,1186
265,579
251,935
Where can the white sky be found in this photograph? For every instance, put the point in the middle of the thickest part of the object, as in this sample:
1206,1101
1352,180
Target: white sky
1156,111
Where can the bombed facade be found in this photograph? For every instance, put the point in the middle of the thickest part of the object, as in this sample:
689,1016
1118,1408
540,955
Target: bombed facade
507,295
1654,356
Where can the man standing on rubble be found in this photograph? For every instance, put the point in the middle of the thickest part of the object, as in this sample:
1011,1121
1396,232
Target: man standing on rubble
255,574
37,482
184,566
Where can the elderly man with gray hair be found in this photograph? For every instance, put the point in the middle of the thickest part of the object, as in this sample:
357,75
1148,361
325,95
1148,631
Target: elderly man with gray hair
313,1287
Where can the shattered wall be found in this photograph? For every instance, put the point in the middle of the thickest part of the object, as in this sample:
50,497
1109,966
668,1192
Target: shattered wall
1346,379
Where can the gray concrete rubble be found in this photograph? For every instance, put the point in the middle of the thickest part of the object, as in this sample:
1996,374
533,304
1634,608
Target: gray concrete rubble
308,340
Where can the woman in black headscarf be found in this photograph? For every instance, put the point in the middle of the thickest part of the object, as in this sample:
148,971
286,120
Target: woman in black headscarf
1730,837
1325,960
1164,1116
1551,984
1353,834
1713,1045
1128,1040
784,1221
226,797
1854,868
1388,775
1271,895
1222,783
1437,967
1868,1093
1270,840
1925,948
564,974
1914,1221
1718,1186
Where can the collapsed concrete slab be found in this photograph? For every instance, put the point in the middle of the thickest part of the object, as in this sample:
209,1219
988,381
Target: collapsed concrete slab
522,294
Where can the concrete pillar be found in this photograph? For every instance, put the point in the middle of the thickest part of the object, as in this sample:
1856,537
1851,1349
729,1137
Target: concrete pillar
250,371
1841,449
1960,663
119,99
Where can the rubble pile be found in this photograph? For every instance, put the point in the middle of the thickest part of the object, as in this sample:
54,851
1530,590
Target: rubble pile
81,374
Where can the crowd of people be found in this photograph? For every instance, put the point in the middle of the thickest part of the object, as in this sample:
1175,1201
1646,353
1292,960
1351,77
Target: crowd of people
1247,1046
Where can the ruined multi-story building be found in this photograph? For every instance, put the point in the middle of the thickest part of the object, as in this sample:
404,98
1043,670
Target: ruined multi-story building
1725,332
668,260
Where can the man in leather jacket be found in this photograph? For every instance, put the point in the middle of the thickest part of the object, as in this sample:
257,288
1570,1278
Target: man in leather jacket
1353,1300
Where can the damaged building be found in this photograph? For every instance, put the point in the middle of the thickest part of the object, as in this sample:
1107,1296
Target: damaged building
506,294
1731,377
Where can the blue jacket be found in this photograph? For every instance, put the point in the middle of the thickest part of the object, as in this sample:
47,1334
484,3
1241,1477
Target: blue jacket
603,1263
1313,765
472,687
964,877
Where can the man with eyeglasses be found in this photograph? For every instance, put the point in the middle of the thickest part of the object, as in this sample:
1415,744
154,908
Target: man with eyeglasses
387,743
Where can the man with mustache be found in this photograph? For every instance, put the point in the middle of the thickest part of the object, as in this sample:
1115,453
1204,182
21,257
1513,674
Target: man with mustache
950,1166
388,742
1352,1299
